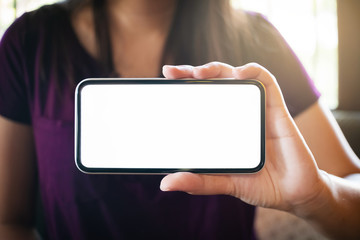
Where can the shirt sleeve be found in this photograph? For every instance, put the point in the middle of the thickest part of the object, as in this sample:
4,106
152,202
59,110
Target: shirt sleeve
13,88
272,51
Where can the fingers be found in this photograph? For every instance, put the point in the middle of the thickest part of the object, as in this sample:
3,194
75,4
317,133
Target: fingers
213,70
256,71
175,72
210,70
222,70
197,184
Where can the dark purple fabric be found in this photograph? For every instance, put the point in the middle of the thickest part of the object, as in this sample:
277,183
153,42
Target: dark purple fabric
80,206
271,51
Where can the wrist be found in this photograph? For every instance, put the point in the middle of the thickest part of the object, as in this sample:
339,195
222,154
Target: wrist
333,209
318,204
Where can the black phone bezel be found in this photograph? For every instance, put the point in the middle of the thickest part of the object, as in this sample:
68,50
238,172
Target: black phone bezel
102,81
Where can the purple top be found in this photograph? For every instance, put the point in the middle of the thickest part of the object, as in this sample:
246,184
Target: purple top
80,206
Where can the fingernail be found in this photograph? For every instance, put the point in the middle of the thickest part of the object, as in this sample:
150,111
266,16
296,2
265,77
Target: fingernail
185,67
164,188
168,66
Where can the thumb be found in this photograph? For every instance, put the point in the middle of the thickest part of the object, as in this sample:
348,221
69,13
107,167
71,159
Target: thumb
198,184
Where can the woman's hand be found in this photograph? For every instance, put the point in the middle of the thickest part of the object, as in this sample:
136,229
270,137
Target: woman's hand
290,177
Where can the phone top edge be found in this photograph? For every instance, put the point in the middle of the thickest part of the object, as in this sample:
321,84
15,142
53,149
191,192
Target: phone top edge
150,81
158,78
101,81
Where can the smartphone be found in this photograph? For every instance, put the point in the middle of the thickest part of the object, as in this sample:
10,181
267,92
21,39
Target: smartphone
159,126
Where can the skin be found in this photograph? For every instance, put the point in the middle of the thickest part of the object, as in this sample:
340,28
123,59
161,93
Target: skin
316,124
137,51
291,179
17,181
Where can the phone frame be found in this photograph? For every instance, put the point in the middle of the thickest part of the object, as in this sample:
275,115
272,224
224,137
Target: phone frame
102,81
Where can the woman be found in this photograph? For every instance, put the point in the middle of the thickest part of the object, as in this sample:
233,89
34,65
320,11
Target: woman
45,53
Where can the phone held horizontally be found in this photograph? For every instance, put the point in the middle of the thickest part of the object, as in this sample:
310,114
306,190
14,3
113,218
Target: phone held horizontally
158,126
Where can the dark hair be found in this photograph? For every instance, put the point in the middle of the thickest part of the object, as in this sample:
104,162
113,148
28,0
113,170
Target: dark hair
201,31
204,31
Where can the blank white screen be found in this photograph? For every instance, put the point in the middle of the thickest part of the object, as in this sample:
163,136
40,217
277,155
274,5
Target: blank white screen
181,126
